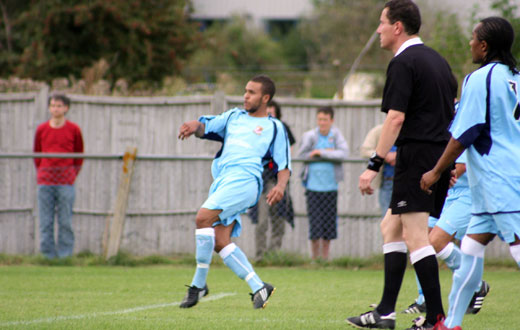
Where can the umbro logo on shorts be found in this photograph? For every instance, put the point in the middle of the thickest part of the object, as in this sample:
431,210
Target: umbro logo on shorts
402,204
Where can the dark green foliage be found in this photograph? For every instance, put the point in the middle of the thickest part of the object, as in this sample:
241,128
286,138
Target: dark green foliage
235,48
144,42
140,40
447,37
509,10
338,30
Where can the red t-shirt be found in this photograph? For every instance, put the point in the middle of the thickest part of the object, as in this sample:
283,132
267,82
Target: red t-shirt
66,139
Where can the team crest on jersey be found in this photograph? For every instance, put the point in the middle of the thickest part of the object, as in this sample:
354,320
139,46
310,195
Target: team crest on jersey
258,130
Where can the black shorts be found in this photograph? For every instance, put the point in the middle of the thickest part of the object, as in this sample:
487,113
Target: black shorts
413,160
323,213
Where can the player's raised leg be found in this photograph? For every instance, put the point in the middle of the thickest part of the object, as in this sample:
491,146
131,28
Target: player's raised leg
237,261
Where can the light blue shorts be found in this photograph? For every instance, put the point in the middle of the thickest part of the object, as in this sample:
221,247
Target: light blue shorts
233,193
506,225
456,214
433,221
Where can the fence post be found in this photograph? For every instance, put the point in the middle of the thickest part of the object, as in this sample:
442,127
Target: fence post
39,113
115,224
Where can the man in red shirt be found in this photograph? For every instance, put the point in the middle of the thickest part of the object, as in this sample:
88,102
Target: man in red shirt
56,176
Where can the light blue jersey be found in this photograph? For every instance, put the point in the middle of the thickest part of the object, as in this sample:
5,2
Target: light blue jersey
248,143
321,174
488,124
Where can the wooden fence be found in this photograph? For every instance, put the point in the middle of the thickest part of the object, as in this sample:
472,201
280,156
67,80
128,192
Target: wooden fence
171,178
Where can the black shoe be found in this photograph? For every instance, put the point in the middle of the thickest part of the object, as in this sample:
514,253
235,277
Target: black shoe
260,297
415,308
478,299
420,323
193,295
372,320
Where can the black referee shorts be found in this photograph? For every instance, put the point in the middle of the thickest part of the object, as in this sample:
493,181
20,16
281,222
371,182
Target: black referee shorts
413,160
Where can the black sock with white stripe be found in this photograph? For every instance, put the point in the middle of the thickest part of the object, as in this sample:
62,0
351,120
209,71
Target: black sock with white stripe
395,266
427,270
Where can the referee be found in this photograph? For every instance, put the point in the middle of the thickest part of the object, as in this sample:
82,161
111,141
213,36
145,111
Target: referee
418,98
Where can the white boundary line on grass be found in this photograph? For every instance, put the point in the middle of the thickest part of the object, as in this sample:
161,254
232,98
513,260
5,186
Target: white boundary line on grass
124,311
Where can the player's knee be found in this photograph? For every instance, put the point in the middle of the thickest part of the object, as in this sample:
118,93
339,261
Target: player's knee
437,243
203,221
221,243
472,247
385,228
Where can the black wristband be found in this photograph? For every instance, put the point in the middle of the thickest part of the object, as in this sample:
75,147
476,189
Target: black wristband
375,162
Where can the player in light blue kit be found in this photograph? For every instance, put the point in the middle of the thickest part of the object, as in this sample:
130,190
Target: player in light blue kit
250,138
488,125
452,223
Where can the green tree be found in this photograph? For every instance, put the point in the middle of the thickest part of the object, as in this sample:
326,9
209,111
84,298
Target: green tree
140,40
445,35
9,48
508,9
235,48
337,31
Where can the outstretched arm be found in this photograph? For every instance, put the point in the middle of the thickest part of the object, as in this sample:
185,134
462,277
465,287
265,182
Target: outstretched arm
276,194
191,127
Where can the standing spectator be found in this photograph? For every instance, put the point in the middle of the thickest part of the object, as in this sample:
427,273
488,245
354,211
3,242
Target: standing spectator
249,139
418,99
325,147
56,176
385,179
278,213
487,125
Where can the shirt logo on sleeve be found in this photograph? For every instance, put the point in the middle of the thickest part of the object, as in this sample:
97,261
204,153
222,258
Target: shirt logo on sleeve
258,130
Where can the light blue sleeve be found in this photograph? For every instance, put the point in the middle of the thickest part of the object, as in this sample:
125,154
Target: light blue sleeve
471,114
215,126
281,149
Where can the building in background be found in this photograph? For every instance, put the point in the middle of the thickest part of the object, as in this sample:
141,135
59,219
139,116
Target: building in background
266,14
285,13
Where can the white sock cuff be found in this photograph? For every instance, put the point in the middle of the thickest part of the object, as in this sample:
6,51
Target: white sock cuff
422,253
395,247
227,250
445,253
202,265
515,252
205,231
473,248
249,276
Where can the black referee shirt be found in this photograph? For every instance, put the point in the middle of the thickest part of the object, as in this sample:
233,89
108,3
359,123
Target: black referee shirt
420,83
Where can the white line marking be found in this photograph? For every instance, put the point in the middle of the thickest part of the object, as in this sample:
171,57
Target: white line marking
124,311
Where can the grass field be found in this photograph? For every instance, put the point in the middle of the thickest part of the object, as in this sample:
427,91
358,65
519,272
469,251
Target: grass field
312,297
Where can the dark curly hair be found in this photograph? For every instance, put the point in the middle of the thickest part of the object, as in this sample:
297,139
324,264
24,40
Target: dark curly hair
499,35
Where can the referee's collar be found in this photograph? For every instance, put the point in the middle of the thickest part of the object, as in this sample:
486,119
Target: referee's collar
408,43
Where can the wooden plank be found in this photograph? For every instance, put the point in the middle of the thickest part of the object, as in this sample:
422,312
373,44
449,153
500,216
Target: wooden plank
118,221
